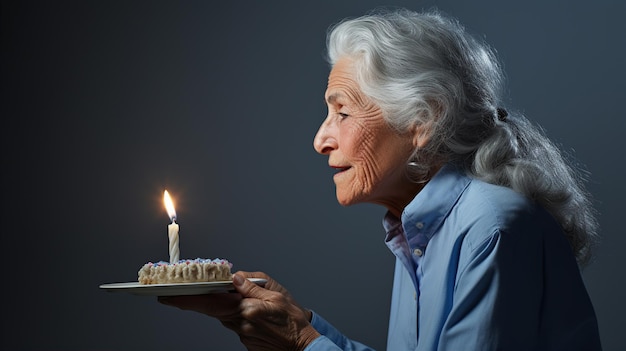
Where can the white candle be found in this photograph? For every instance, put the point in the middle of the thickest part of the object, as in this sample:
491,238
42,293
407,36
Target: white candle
172,229
172,233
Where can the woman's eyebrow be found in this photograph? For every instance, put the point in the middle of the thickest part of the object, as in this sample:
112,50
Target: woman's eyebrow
332,98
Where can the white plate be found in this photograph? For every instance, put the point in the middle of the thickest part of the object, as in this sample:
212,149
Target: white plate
175,289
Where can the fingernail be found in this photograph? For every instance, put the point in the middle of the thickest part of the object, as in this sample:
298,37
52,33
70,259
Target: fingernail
237,280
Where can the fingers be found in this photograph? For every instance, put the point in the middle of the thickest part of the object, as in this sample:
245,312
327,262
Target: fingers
247,288
221,305
271,284
254,275
264,318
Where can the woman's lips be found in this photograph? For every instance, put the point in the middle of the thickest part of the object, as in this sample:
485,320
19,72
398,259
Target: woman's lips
340,169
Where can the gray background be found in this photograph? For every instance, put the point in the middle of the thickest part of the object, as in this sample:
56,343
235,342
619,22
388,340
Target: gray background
106,104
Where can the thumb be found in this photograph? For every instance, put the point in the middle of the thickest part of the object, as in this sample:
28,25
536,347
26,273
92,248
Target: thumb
246,288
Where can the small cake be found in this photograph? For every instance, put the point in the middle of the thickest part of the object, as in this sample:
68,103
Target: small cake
186,271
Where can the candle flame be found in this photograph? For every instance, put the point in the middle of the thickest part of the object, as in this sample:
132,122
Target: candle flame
169,206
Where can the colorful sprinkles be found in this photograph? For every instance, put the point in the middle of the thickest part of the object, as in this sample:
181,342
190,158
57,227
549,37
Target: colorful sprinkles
188,261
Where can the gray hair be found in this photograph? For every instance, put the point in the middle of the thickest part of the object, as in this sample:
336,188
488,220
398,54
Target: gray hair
425,68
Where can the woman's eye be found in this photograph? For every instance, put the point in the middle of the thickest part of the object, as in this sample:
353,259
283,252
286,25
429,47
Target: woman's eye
343,115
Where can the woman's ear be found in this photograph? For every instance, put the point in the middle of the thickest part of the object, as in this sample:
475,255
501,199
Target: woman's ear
421,134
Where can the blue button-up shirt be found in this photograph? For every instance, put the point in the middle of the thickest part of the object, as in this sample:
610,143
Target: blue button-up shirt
479,267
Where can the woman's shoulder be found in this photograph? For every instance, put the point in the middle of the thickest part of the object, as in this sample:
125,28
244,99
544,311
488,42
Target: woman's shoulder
487,198
490,209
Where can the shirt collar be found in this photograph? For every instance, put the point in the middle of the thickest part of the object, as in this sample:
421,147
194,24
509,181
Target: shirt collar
425,213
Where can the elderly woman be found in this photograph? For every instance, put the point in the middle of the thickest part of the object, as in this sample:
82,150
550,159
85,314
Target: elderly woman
489,224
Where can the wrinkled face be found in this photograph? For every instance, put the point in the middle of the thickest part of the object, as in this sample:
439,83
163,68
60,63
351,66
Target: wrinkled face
369,157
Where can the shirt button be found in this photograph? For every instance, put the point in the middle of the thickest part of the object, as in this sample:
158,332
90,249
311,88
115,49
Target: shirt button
419,225
418,252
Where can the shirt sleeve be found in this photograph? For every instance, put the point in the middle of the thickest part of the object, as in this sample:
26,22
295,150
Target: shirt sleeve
480,299
520,290
331,338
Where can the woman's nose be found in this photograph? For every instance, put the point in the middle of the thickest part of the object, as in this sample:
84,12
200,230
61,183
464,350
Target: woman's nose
324,141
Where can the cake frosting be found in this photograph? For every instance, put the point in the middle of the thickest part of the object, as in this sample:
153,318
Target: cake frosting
185,271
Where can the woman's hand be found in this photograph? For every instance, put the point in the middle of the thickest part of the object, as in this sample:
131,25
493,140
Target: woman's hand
265,318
